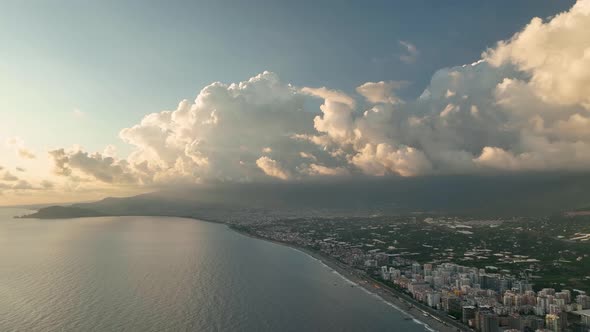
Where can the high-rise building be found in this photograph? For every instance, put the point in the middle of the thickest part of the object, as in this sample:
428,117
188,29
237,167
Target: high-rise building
433,299
468,314
384,273
452,304
553,323
487,321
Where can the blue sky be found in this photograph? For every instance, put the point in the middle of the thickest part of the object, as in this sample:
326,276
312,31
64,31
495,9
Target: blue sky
118,60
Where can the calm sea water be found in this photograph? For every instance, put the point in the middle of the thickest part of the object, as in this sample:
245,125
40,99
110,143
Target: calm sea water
170,274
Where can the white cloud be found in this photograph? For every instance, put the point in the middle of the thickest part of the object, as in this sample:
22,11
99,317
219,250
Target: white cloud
382,159
555,53
381,92
110,151
102,168
337,108
495,114
272,168
315,169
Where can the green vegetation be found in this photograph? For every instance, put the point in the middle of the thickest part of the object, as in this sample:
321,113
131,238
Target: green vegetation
551,252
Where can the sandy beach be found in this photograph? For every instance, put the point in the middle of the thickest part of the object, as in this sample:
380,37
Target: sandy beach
401,302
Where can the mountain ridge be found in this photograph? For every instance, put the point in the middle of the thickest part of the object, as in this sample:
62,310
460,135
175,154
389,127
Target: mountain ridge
540,194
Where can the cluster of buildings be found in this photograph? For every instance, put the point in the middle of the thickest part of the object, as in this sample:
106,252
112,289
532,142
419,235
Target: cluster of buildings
482,299
489,302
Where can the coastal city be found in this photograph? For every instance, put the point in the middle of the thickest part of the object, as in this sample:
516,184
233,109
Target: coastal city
294,166
486,275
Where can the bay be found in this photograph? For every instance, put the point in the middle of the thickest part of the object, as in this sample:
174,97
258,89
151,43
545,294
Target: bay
170,274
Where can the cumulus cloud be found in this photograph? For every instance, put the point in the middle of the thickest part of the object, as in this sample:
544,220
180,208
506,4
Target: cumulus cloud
272,168
381,92
382,159
320,170
555,54
106,169
523,106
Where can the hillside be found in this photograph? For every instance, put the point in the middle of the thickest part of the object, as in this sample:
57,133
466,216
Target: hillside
64,212
531,195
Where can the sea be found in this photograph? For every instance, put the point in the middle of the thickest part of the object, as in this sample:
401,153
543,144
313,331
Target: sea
171,274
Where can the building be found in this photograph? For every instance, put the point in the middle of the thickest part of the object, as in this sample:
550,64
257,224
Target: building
487,321
584,317
452,305
433,299
553,323
584,301
468,314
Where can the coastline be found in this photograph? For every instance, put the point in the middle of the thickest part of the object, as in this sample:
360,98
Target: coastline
374,288
410,308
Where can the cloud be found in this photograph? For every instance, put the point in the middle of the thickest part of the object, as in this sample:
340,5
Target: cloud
102,168
22,185
555,54
9,177
219,136
382,159
17,144
320,170
46,184
334,96
272,168
381,92
110,151
411,54
497,114
336,120
26,153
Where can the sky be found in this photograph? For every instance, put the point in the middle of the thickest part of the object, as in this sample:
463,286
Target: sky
307,89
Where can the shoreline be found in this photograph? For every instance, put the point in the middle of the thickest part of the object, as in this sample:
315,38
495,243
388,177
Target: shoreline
407,306
370,286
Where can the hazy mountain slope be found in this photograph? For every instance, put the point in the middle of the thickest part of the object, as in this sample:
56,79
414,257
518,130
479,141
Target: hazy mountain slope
64,212
536,194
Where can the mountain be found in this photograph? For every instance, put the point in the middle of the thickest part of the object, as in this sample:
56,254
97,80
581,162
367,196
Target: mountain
64,212
531,194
